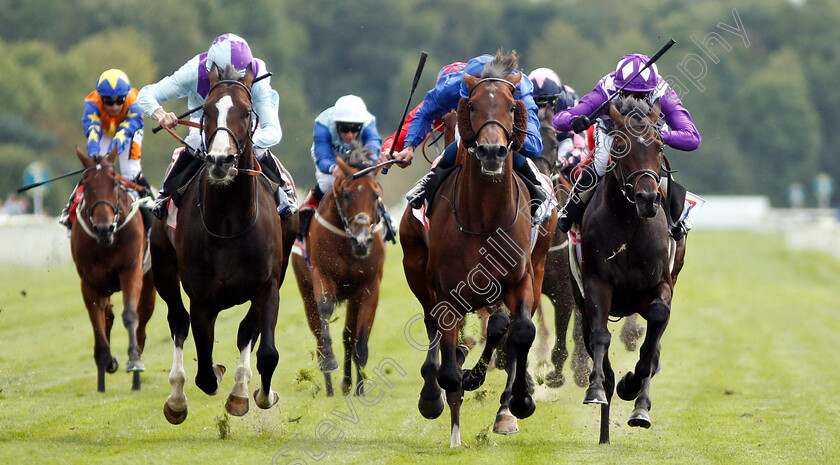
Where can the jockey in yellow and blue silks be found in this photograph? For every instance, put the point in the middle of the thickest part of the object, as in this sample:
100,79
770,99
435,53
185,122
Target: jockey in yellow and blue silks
112,119
443,98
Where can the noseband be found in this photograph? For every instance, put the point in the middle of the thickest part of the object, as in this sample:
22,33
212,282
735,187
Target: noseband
253,122
626,182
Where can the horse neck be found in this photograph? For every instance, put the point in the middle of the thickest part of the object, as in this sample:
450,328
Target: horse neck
483,202
615,199
234,201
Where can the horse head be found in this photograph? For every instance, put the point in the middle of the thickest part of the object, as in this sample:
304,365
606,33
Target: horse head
357,200
101,205
491,122
228,123
637,153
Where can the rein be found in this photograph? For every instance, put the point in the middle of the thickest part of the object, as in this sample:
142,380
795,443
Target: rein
232,236
82,207
477,233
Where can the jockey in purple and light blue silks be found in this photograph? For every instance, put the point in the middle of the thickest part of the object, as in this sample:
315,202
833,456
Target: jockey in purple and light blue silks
676,126
442,99
112,119
192,81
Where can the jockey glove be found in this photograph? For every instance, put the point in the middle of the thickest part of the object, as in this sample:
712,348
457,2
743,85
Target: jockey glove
581,123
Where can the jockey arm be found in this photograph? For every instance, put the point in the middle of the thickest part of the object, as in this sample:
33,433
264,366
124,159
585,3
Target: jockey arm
266,101
439,101
371,139
92,125
681,133
322,149
533,141
176,85
125,131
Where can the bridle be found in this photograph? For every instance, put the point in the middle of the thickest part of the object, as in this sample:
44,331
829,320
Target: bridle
508,131
373,225
84,212
627,183
241,146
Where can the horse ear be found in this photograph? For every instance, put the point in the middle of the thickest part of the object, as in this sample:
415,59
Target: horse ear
655,112
520,125
345,169
87,162
215,74
249,76
515,78
471,80
465,122
616,116
112,156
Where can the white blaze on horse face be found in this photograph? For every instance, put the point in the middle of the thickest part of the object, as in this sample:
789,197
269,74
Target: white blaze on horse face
221,142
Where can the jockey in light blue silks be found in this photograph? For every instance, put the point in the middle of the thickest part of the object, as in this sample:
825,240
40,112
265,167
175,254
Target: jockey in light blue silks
677,130
192,80
335,130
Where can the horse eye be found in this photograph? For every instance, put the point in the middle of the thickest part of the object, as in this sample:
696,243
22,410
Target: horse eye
471,107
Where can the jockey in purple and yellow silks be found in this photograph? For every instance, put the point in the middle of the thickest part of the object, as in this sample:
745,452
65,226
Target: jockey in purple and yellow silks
112,119
677,130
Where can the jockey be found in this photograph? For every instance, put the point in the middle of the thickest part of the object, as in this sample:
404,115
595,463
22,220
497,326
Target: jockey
111,119
192,80
678,131
443,98
551,97
336,128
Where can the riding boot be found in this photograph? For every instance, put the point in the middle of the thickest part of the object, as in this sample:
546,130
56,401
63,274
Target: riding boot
64,218
184,160
390,228
285,195
145,189
417,196
572,213
307,210
535,188
286,207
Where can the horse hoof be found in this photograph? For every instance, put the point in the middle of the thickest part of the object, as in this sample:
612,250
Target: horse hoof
461,353
113,365
236,406
473,379
431,408
173,417
595,395
639,417
270,401
622,390
328,364
522,407
505,423
136,365
555,379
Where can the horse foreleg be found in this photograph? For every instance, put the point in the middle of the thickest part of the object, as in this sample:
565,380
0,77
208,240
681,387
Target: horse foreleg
636,385
323,293
203,321
581,366
598,301
131,284
559,354
454,400
520,339
363,309
237,402
97,311
268,304
431,402
497,326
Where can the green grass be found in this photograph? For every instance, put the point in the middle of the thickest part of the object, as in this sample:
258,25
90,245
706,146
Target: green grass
750,374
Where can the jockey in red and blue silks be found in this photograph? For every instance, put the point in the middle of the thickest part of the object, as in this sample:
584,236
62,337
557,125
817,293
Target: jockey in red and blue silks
442,99
677,130
192,80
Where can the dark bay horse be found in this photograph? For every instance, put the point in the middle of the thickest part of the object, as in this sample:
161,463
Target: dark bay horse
478,251
107,242
346,253
229,247
627,252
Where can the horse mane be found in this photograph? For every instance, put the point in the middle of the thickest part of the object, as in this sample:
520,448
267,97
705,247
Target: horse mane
501,66
358,156
635,107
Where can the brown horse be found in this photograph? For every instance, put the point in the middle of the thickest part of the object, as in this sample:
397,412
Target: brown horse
346,254
476,251
229,247
107,242
627,252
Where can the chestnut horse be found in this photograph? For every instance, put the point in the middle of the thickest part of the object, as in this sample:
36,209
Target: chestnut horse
346,254
476,251
107,242
229,247
627,254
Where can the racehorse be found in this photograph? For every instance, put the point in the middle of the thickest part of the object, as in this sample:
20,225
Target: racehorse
626,253
107,241
345,254
477,251
229,247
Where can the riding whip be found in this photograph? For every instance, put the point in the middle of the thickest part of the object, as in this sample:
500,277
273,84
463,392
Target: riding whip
36,184
646,66
423,56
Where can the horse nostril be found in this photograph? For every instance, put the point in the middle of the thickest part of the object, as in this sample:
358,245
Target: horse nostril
229,159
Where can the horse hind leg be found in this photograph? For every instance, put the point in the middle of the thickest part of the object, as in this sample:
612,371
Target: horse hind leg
267,356
431,403
237,401
97,307
454,399
145,308
497,326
